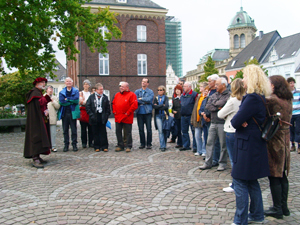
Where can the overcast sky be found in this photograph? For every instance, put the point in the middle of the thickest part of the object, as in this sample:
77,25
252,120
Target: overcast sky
204,22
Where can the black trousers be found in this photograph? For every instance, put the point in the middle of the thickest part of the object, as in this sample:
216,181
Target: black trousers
86,135
100,134
67,122
128,131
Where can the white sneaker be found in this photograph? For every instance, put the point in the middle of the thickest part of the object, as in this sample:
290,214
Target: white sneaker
230,184
228,189
197,153
54,150
203,154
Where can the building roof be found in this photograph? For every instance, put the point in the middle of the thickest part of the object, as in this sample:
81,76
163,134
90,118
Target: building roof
216,55
298,69
258,49
129,3
241,19
286,47
60,72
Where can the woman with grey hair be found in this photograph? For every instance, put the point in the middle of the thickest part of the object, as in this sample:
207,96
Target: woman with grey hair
84,95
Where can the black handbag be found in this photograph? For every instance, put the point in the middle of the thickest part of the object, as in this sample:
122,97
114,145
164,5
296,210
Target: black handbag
271,124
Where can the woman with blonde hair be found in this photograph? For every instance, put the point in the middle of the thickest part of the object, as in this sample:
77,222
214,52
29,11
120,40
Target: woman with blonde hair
227,112
161,106
250,156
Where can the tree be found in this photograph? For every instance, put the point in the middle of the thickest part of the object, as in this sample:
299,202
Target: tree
13,87
209,69
27,26
239,74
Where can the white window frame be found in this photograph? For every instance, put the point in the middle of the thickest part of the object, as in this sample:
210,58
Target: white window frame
141,33
104,62
142,62
103,30
107,93
122,1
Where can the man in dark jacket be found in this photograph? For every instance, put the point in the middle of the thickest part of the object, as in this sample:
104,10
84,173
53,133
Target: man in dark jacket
37,133
216,130
98,108
187,101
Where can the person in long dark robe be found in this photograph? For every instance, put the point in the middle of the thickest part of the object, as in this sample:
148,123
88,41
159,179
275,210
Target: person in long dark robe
37,133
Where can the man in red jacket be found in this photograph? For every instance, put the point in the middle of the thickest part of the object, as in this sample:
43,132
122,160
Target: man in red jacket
123,106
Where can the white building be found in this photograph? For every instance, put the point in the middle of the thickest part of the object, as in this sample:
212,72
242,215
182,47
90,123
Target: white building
171,81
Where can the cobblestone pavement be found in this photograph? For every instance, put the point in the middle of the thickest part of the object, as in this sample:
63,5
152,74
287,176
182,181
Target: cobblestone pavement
140,187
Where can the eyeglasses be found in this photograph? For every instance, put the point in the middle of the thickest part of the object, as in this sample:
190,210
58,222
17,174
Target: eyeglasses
160,89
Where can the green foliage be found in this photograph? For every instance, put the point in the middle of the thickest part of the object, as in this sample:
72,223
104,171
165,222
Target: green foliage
209,69
27,26
7,114
254,61
13,87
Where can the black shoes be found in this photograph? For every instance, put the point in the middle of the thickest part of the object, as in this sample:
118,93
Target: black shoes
178,146
184,149
148,147
83,145
141,147
66,148
274,213
75,149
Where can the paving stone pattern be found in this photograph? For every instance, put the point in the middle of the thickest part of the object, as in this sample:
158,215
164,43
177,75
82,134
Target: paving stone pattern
140,187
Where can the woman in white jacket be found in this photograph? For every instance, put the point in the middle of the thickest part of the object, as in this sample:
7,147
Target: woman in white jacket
53,107
227,112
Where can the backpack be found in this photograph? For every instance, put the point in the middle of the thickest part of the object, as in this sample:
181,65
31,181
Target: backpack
271,124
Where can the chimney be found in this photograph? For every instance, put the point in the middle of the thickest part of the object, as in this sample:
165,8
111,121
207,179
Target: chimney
261,34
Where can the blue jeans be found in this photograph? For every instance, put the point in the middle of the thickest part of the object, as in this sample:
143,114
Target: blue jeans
230,143
141,120
162,134
244,188
295,129
201,142
185,124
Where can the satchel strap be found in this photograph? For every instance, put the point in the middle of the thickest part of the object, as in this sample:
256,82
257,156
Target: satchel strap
257,124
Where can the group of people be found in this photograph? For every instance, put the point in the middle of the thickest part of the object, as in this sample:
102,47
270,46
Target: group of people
222,118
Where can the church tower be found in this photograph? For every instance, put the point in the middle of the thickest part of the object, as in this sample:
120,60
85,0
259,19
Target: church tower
241,32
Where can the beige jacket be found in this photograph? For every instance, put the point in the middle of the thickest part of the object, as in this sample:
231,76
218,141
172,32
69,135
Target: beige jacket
53,108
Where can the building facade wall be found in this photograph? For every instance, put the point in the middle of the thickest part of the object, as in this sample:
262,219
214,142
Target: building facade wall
123,56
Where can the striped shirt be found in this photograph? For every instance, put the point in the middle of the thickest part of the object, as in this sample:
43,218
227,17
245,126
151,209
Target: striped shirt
296,102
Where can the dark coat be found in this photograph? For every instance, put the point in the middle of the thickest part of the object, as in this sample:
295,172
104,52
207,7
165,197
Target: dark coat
279,146
176,107
157,107
250,156
91,109
37,133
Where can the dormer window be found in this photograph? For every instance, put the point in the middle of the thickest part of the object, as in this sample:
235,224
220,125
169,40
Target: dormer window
122,1
232,64
238,20
294,53
282,56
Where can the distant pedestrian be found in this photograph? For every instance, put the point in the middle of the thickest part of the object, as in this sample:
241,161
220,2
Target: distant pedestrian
196,120
144,113
98,108
216,129
295,121
37,132
69,113
176,110
123,106
161,106
187,101
86,137
53,107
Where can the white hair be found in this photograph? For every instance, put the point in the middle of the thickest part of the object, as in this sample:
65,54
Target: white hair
223,81
213,77
189,84
69,78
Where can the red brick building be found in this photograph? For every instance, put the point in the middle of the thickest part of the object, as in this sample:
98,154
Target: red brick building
141,52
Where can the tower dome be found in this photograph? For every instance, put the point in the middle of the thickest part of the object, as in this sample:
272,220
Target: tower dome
241,19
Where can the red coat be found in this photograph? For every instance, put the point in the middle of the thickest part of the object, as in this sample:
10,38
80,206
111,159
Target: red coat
123,106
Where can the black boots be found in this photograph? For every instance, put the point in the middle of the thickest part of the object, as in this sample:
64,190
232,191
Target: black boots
66,148
284,196
276,210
